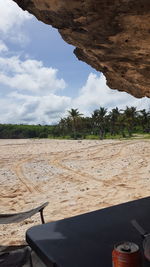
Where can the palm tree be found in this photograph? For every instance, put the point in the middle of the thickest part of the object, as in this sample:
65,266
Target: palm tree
74,116
113,120
130,119
144,119
121,124
63,126
99,120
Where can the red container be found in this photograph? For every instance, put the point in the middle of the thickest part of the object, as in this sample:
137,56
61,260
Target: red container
126,254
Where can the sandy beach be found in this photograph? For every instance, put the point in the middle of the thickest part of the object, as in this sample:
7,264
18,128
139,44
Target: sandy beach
75,176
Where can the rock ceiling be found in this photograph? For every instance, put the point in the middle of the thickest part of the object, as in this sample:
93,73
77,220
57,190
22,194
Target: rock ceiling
113,36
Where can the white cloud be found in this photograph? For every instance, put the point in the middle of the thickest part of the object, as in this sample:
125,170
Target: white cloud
3,47
28,88
11,16
31,92
29,75
43,107
11,20
19,108
96,93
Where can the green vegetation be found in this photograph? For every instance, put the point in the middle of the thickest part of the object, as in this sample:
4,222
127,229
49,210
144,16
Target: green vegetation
128,123
14,131
103,124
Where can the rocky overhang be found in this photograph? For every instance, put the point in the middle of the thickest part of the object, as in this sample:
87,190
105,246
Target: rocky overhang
113,36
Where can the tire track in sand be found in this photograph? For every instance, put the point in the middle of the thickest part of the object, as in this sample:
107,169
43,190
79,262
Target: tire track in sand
30,186
114,179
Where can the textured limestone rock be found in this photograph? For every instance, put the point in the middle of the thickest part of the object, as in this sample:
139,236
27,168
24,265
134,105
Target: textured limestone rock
113,36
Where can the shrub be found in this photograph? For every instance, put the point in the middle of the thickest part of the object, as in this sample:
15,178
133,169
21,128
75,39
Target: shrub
43,135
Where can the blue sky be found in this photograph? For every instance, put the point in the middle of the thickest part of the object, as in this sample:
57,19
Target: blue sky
40,77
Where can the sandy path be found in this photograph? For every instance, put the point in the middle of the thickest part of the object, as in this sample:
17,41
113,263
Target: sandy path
74,176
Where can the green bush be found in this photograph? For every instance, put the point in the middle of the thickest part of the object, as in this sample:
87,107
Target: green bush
43,135
76,136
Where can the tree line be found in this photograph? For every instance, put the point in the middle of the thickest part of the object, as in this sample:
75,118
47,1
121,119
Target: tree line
15,131
101,124
104,124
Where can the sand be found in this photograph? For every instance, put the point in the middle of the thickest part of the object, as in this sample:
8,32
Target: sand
75,176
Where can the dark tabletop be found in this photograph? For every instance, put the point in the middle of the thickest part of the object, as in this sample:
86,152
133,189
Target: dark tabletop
87,240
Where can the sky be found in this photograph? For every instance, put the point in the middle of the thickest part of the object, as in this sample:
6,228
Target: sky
40,77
